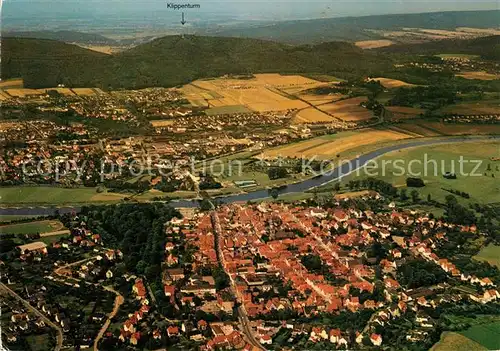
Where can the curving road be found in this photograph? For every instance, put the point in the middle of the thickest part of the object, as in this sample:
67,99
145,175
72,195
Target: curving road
329,176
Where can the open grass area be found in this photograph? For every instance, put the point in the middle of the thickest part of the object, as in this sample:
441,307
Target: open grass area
487,335
490,254
431,162
328,147
31,227
54,196
10,218
456,342
39,342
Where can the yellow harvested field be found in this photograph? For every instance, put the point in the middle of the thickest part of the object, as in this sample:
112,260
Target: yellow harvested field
349,109
487,31
316,100
24,92
481,75
83,91
11,83
6,126
373,44
258,94
326,148
392,83
161,124
4,96
62,91
311,115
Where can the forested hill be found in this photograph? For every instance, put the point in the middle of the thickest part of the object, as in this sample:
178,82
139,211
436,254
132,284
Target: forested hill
486,47
357,28
63,35
174,60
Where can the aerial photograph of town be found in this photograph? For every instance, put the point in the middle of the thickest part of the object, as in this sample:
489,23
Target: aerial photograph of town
249,175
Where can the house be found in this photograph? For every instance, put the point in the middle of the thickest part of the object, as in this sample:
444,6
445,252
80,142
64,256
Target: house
266,340
172,331
135,337
376,339
335,335
109,274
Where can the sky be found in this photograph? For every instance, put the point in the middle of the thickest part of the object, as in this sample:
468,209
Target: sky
63,14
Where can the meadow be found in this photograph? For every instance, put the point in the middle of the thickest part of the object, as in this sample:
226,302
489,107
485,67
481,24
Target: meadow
487,335
490,254
53,195
451,341
31,227
482,188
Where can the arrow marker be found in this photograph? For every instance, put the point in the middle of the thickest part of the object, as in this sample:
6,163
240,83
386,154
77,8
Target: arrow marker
183,22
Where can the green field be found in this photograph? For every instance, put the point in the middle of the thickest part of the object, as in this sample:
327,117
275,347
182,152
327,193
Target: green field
53,195
482,188
31,227
490,254
456,342
9,218
222,110
488,335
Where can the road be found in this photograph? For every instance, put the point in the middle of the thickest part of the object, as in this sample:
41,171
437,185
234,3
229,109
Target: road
39,314
118,302
242,313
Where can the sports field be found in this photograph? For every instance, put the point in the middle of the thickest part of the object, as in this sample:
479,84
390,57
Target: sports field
330,146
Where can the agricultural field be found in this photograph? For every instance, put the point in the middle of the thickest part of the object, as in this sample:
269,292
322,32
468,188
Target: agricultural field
31,227
462,129
349,109
330,146
490,254
416,129
458,56
484,107
52,195
310,116
487,335
316,100
431,162
222,110
10,218
392,83
260,93
374,44
481,75
402,112
83,91
24,92
11,83
451,341
162,123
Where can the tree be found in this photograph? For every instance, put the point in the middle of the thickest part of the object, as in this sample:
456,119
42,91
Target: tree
402,195
274,193
414,196
429,198
336,187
